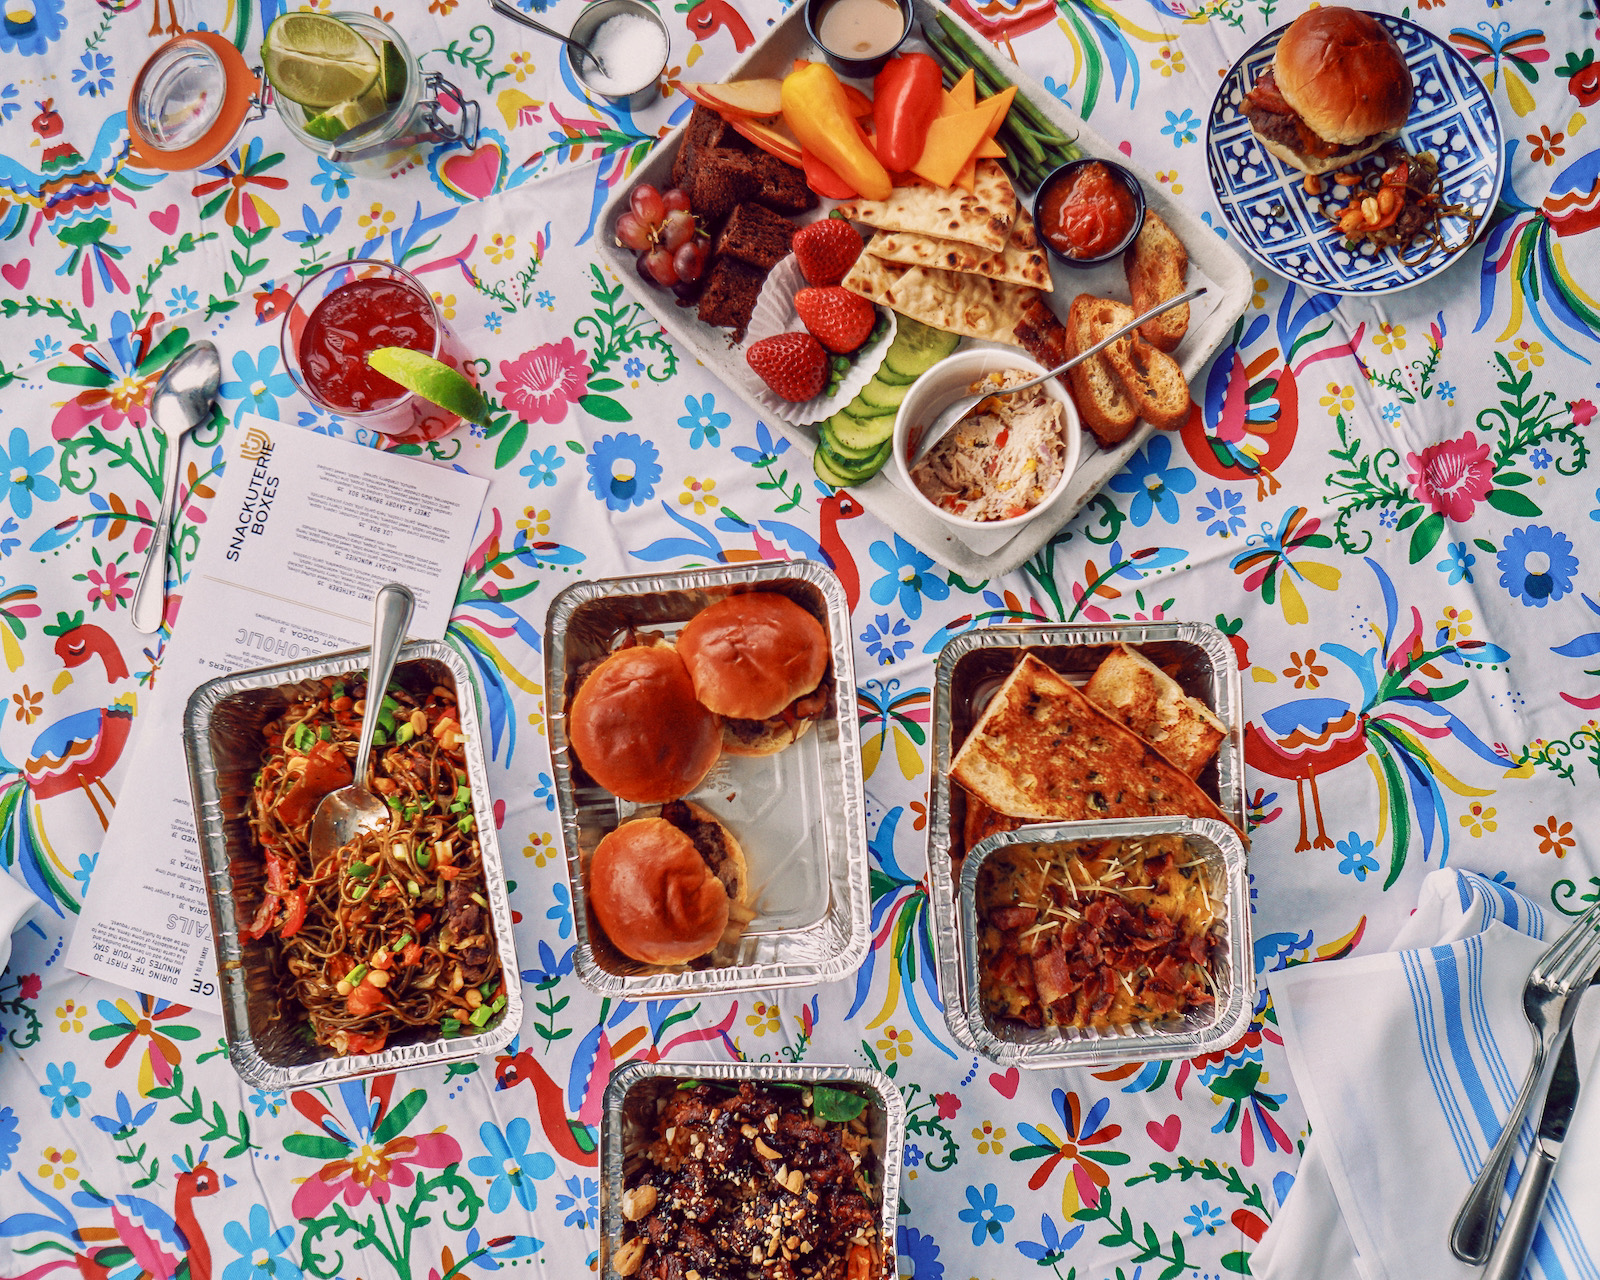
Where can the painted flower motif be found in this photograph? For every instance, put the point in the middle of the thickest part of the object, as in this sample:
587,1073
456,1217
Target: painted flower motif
500,247
1079,1131
263,1252
1456,624
580,1202
895,1044
126,1121
29,985
985,1212
492,322
510,1167
1536,565
1388,518
541,847
1168,60
764,1018
1204,1217
57,1168
547,300
534,522
540,384
376,220
542,467
1555,836
520,65
702,421
1457,563
561,910
1389,338
332,181
947,1105
71,1015
231,191
1223,514
268,1102
1545,147
697,494
546,791
991,1141
1339,399
65,1091
623,471
22,471
921,1251
1525,353
1478,820
1052,1244
259,382
10,1139
446,302
1391,413
1583,411
1153,484
1169,178
128,1026
108,585
913,1155
906,576
30,705
1305,670
45,348
884,641
1181,127
1451,477
768,450
94,75
368,1154
1356,857
633,367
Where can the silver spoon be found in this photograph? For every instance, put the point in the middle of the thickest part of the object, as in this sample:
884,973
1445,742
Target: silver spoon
346,813
960,407
516,15
182,400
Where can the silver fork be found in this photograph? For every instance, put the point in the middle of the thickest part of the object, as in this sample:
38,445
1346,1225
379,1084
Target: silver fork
1562,970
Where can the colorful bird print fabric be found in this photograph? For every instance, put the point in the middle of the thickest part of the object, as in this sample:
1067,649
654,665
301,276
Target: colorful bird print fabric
1388,505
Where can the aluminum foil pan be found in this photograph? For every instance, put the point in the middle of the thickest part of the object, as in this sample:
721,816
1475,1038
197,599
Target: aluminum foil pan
972,666
222,739
1198,1033
629,1108
799,814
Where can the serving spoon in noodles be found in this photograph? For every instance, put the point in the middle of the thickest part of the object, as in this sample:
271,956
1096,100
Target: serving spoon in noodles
961,406
344,814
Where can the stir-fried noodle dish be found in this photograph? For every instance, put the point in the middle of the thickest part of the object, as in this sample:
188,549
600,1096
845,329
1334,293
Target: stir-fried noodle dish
389,937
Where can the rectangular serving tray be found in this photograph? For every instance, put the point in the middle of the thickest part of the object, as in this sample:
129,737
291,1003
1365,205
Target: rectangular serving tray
799,814
972,666
635,1086
222,739
982,553
1234,974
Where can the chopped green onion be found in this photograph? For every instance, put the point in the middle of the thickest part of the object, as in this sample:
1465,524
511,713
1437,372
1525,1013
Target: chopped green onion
420,857
392,801
449,1027
404,733
499,1004
405,940
379,737
355,975
358,893
338,688
465,825
487,989
326,733
359,870
413,888
303,737
479,899
481,1015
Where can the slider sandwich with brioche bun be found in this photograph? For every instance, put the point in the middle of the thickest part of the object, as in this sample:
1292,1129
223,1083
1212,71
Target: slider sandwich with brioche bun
758,660
1338,90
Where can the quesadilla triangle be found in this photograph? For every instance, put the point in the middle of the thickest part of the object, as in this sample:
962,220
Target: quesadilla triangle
1022,261
982,218
1043,752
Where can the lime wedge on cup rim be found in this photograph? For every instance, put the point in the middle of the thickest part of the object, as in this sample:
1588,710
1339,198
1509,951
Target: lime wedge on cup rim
433,380
317,61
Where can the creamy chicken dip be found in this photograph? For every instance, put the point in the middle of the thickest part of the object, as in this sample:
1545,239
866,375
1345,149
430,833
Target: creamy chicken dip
1003,458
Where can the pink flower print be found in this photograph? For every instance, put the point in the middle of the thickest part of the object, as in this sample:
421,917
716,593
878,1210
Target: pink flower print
948,1104
109,585
1452,477
539,384
1582,412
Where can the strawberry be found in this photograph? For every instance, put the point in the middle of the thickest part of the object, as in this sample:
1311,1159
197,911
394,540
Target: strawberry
794,365
826,250
839,319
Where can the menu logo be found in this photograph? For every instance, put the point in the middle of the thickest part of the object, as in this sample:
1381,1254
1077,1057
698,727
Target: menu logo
262,488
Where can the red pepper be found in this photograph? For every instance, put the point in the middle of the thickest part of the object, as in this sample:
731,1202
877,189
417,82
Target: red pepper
263,918
824,181
294,911
365,1042
363,1000
905,99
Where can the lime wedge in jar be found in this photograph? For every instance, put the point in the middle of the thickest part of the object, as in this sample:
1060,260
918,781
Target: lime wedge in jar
318,62
330,125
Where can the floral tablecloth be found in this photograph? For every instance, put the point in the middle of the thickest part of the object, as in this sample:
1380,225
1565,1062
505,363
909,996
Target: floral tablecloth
1387,505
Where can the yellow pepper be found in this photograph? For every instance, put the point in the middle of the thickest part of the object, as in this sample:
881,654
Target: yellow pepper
819,115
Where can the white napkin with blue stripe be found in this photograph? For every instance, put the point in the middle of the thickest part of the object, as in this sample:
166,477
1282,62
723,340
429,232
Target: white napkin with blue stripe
1408,1061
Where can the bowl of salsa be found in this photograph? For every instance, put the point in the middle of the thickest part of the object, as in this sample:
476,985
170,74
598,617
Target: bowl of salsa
1088,211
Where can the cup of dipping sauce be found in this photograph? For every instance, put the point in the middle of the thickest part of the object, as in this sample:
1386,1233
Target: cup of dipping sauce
632,42
857,36
1088,211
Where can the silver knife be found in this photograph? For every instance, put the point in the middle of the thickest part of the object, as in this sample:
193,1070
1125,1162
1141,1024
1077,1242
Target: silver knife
1522,1219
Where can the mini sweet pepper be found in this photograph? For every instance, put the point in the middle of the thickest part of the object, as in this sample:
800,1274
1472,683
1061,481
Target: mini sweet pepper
905,99
818,113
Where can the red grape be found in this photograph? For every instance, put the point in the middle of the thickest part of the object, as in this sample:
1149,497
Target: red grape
658,262
675,199
690,261
632,231
646,202
677,229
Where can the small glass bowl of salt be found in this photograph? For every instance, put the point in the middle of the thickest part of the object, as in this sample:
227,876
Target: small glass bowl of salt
630,40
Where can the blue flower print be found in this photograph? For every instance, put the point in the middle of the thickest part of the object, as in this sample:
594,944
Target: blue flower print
767,450
542,467
1225,513
321,421
510,1167
10,102
9,544
1539,459
86,866
492,322
921,1251
332,181
623,471
550,970
1204,1217
913,1156
1391,413
561,913
1457,563
44,348
1357,859
1388,518
260,382
546,791
22,473
1051,1246
65,1091
181,299
1056,89
1150,482
315,228
580,1202
1181,128
546,299
1447,392
703,422
632,367
126,1120
33,33
1536,564
987,1216
262,1251
10,1140
906,576
883,641
268,1102
94,75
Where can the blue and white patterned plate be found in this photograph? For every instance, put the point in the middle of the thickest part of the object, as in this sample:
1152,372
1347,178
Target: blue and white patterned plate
1269,210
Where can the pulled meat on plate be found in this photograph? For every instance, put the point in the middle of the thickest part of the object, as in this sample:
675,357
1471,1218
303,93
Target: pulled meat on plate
742,1182
1097,934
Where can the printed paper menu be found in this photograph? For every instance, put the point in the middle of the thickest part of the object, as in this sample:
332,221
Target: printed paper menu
304,530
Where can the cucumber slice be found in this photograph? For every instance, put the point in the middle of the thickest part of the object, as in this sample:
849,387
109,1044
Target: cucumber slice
827,474
855,471
861,433
890,378
847,454
882,395
918,347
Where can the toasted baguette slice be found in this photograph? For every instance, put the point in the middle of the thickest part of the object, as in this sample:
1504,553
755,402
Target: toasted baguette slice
1133,691
1105,407
1157,266
1152,380
1042,751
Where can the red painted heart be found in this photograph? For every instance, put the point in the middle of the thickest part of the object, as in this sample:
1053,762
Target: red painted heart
16,273
475,174
1006,1085
1165,1135
165,220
